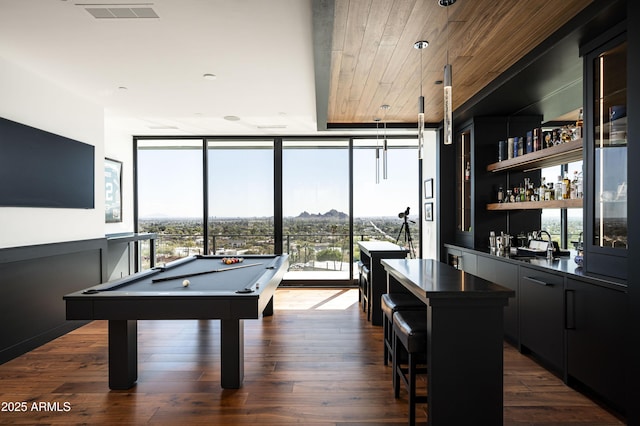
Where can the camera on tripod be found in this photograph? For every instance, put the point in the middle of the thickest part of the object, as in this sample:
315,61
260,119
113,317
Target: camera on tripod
407,233
404,213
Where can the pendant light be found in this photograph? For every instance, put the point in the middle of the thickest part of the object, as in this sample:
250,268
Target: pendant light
377,120
385,145
448,113
420,45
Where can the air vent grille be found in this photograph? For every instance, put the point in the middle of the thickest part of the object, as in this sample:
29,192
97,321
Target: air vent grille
122,12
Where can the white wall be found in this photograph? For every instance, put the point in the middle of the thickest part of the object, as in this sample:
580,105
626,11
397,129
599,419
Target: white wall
119,146
429,167
32,100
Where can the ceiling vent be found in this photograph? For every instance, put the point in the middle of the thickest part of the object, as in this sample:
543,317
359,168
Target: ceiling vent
119,12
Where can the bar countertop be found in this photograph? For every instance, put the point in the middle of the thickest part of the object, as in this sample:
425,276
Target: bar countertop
373,246
564,265
428,278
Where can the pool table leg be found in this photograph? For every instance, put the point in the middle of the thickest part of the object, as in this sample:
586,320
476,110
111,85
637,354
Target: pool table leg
123,353
232,353
268,310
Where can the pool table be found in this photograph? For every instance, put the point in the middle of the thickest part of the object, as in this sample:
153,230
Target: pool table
228,292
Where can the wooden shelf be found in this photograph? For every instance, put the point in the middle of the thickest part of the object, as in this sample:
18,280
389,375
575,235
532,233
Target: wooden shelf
532,205
553,156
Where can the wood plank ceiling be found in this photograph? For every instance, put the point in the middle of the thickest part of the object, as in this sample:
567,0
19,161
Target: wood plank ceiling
374,62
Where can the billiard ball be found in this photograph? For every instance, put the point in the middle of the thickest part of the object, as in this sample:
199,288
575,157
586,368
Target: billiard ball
186,283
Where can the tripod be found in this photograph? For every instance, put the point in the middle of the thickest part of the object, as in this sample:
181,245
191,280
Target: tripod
407,236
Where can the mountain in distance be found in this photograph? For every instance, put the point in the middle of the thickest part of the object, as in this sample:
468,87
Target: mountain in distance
331,214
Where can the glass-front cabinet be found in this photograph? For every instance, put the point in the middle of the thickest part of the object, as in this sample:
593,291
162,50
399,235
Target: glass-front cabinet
606,72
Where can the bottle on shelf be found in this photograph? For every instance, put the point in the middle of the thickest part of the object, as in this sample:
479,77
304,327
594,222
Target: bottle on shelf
566,187
578,130
579,190
542,190
467,171
500,194
558,189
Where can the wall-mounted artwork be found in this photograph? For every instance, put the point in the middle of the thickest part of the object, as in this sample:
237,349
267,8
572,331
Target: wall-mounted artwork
428,188
112,190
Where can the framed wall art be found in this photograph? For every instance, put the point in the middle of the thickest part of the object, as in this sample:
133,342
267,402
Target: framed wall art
112,190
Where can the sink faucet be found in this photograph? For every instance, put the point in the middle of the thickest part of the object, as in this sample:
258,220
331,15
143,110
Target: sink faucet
550,244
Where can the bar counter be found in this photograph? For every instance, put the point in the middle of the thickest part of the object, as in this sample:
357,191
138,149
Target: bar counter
464,339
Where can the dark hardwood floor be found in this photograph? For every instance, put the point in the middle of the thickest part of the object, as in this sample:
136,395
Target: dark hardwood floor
316,361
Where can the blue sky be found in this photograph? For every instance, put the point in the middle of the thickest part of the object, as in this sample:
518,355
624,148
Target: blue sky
241,182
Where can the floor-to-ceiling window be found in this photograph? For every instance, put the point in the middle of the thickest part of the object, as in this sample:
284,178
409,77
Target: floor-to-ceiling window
169,196
315,206
240,197
270,195
380,199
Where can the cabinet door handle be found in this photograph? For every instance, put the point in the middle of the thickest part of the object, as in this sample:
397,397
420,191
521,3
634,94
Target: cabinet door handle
539,282
570,310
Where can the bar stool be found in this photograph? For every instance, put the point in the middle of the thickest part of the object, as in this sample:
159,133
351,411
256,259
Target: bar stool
391,303
365,290
410,338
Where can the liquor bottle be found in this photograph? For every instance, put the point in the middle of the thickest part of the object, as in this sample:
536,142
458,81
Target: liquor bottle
467,171
542,189
558,189
522,143
510,148
537,139
500,194
579,188
579,123
566,187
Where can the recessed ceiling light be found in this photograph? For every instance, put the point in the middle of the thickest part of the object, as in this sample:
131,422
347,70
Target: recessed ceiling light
231,118
209,76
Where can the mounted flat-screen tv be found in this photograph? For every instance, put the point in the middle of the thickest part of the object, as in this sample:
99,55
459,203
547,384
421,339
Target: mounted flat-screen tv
42,169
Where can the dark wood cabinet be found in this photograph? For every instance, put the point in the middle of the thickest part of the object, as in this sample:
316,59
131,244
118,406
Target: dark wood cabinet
505,274
541,303
595,321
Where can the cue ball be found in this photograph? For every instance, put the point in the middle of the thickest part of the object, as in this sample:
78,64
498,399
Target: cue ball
186,283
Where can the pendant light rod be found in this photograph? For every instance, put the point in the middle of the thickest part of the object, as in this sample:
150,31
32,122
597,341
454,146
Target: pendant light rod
448,83
377,120
420,45
385,146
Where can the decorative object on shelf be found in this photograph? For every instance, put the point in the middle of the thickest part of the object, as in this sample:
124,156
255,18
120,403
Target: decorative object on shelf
421,45
112,190
385,146
428,188
377,120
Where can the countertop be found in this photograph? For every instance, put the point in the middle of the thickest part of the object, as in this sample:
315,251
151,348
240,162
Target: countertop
371,246
564,265
435,279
